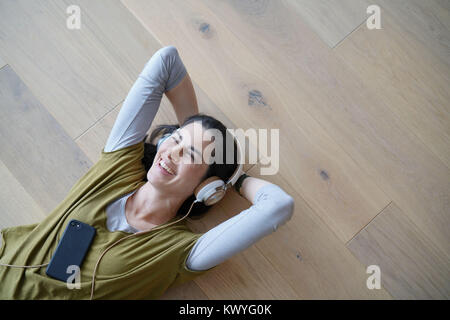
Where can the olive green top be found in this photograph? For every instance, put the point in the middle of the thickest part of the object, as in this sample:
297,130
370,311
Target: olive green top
141,267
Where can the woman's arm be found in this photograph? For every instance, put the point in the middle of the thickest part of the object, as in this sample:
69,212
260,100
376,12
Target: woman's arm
162,73
272,207
250,186
183,99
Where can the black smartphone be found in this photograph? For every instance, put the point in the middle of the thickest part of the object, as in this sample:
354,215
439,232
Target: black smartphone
71,250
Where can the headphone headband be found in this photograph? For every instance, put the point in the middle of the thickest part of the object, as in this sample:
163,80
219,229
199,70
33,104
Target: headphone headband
238,172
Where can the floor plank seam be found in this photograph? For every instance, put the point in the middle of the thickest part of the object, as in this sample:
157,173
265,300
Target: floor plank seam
348,35
97,121
276,269
346,244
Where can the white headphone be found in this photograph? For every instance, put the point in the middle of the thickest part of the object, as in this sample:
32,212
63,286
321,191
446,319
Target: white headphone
213,189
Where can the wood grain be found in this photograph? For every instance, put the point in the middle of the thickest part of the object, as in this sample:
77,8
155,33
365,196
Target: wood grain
332,20
307,254
427,21
40,155
16,205
411,266
407,77
2,63
78,75
379,142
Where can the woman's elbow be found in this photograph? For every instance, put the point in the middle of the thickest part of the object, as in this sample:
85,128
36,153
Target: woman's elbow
288,206
284,211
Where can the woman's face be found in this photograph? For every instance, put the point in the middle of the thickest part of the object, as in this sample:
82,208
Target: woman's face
186,166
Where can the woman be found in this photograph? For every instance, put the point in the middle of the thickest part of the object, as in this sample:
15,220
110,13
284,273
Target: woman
134,197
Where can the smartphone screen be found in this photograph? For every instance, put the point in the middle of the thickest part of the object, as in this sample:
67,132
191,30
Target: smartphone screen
71,250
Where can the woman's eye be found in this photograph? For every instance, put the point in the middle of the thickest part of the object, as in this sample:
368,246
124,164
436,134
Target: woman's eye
192,155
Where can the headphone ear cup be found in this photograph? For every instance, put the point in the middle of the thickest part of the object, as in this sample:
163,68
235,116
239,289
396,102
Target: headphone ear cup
210,191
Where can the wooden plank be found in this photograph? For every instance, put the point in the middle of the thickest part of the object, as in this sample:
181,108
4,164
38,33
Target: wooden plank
407,77
427,21
17,207
2,63
307,254
251,90
332,20
35,149
388,152
411,266
79,75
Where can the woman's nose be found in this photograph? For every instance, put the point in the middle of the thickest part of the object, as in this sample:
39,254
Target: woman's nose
176,154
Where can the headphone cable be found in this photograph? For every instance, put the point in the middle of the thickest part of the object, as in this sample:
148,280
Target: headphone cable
129,236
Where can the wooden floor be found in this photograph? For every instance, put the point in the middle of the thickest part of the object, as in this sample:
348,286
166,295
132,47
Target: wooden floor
363,118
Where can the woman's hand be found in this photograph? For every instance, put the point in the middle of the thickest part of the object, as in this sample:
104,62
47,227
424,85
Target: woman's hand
250,186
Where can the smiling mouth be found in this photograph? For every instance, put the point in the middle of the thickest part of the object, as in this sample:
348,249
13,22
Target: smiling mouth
165,168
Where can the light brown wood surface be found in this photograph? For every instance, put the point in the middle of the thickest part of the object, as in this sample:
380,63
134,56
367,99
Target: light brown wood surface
310,257
36,150
411,266
409,80
15,198
332,20
79,75
428,22
363,120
